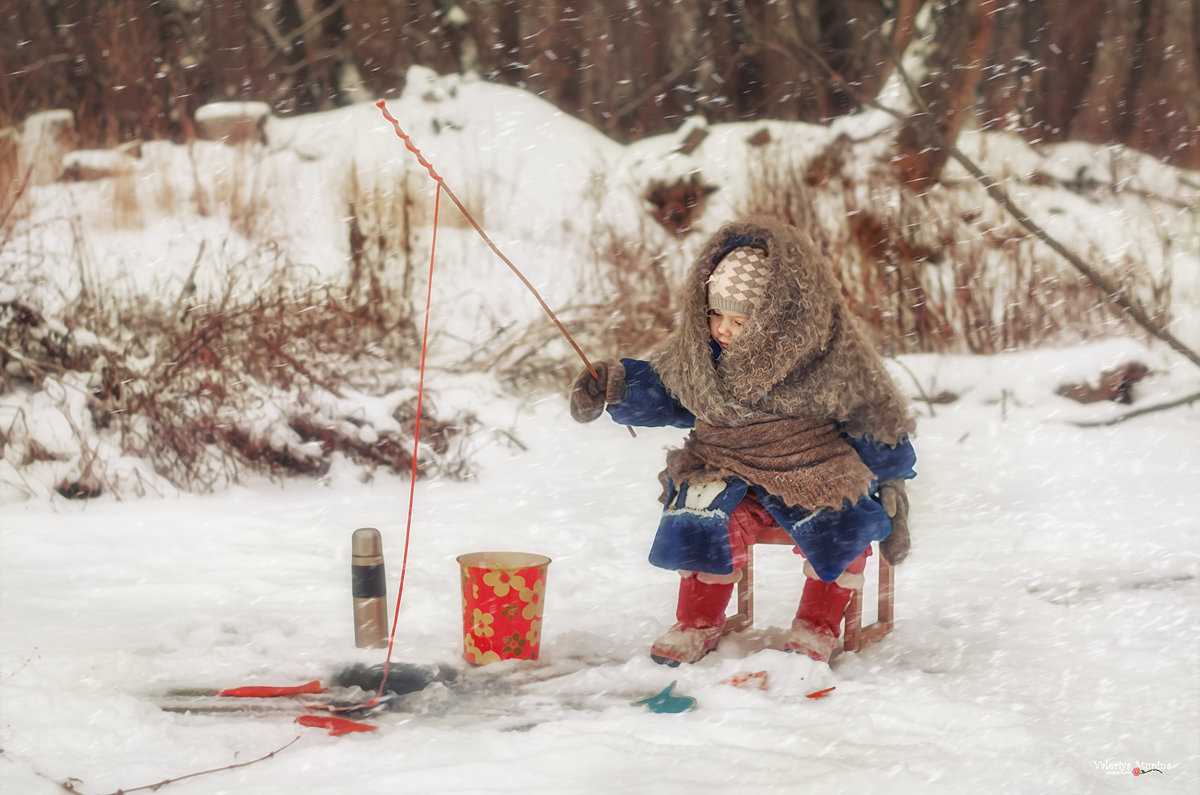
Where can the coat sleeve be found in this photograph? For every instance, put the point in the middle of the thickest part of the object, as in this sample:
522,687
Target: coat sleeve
648,402
884,460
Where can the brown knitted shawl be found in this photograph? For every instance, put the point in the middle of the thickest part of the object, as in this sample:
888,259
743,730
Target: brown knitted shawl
771,410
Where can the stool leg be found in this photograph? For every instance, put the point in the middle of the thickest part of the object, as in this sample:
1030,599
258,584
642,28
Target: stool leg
887,592
886,618
744,617
851,640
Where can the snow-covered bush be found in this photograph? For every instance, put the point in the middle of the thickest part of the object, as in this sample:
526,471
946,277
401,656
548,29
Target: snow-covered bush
209,394
948,270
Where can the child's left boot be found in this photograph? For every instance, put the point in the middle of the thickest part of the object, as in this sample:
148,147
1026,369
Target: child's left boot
818,623
700,624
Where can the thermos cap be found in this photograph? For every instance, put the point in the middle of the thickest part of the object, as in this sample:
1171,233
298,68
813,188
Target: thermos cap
366,543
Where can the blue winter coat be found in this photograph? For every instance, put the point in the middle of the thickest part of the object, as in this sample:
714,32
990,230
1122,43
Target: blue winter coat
694,531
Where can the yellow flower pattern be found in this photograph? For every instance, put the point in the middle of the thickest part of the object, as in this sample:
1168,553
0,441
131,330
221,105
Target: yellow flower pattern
532,597
481,624
534,635
473,654
502,581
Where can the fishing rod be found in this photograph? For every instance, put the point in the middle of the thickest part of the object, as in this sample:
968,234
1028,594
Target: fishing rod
382,105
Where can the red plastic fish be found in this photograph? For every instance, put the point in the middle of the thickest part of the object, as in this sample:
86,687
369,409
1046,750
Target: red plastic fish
269,692
337,726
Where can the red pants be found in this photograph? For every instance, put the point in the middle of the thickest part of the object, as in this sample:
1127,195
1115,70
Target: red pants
750,519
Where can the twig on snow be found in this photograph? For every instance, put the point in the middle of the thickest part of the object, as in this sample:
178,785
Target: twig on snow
1140,412
234,766
916,382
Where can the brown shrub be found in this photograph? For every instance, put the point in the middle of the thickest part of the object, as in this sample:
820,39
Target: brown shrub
928,276
231,387
678,204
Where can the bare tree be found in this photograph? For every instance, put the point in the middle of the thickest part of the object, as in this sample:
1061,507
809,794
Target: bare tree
1106,71
954,65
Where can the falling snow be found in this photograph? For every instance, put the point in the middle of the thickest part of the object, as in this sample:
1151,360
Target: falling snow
1048,620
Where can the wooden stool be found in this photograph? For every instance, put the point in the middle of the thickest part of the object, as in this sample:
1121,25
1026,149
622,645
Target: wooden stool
855,636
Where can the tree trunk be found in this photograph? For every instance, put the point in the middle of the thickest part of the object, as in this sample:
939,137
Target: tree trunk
1104,113
963,30
1166,91
1106,71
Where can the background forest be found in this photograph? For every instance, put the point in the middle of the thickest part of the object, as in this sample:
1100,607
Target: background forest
1102,71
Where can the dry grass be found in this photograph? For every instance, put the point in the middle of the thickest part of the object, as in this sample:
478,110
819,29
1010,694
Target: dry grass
928,276
212,393
14,181
625,306
238,189
633,296
125,206
212,388
382,216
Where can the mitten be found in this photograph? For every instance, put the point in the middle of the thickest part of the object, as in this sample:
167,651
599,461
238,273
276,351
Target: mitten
894,500
592,392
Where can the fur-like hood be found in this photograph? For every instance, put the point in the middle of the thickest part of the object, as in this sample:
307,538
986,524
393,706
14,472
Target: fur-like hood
800,355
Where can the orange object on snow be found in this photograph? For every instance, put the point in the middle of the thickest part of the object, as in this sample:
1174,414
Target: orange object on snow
821,693
271,692
337,726
756,680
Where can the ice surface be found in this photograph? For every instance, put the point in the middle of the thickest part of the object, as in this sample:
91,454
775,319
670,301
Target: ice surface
1046,627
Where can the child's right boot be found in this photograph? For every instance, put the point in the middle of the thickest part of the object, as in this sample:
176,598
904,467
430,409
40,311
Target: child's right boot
818,623
701,622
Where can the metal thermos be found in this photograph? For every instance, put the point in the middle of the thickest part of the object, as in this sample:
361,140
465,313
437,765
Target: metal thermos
370,589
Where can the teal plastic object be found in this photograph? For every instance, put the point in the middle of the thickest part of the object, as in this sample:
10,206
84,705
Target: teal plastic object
666,702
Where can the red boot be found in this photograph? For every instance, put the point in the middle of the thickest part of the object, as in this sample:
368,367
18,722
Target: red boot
701,620
818,622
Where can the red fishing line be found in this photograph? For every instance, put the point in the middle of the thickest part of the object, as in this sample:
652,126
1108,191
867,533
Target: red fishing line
412,481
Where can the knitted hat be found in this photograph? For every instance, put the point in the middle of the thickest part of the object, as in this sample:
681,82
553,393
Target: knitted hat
739,281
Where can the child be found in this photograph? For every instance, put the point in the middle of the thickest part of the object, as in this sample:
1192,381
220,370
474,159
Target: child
795,422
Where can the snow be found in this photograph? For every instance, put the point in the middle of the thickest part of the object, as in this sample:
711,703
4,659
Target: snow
1048,621
232,110
97,161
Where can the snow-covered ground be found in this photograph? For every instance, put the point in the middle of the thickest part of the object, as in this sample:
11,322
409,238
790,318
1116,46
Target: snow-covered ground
1047,634
1048,621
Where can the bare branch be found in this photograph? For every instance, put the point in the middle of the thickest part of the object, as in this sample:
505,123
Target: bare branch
1183,401
235,766
1111,291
